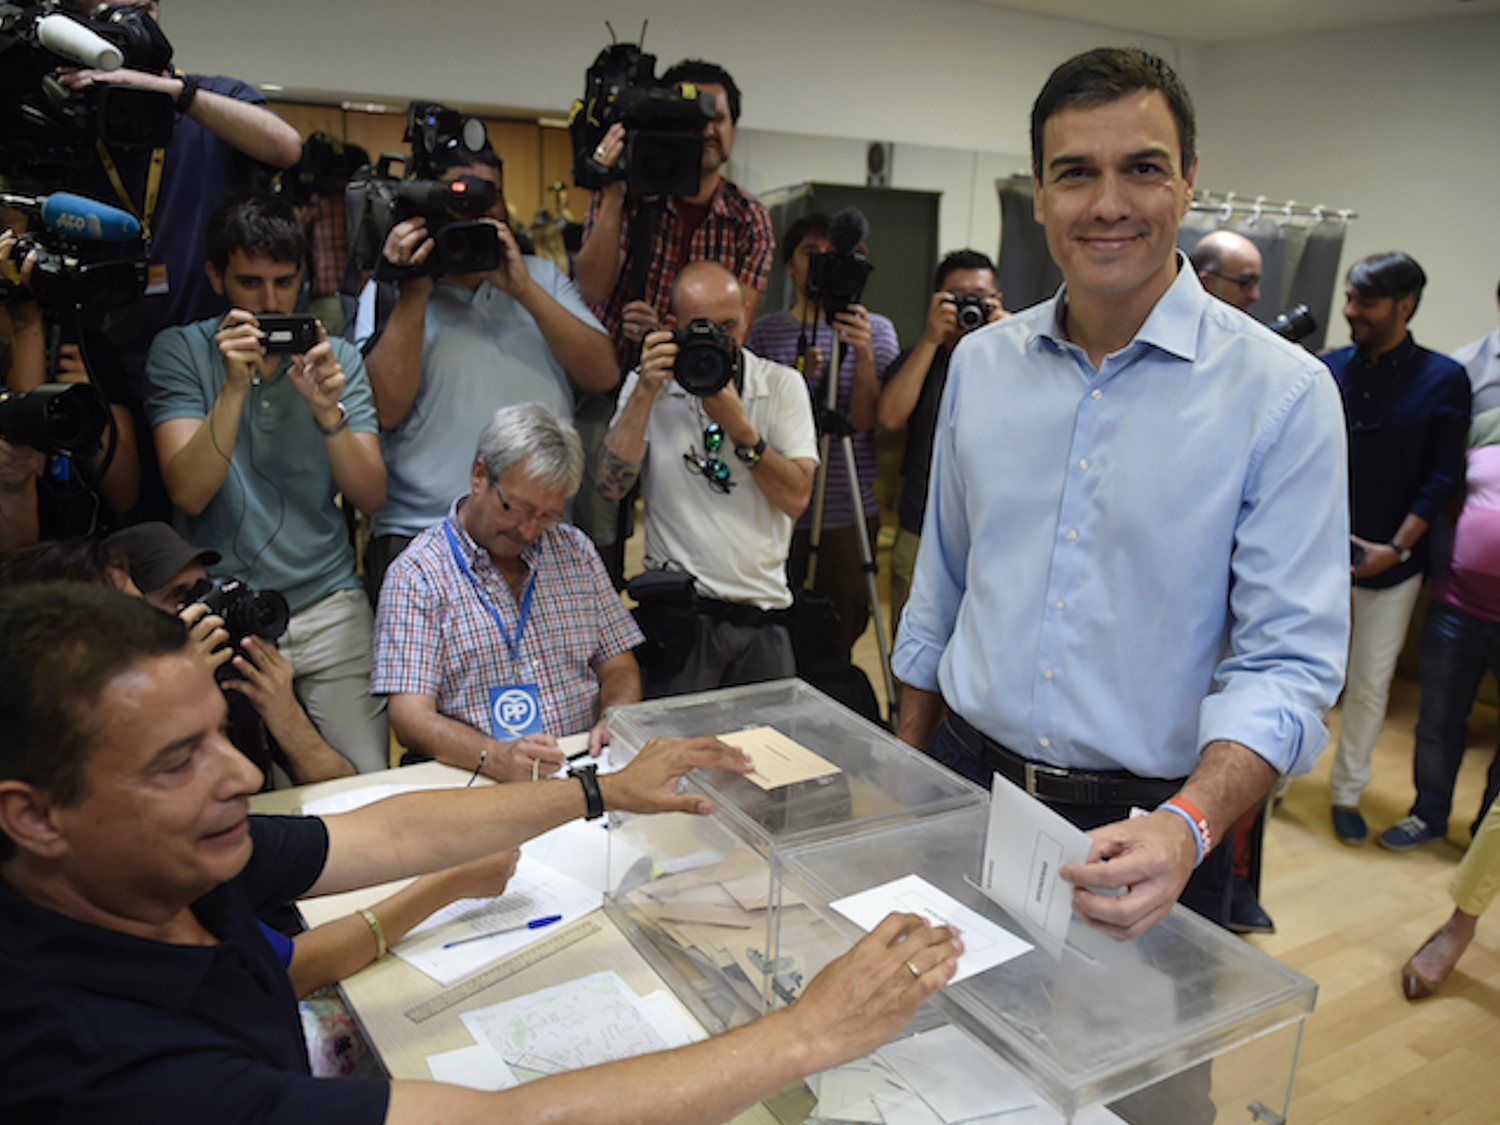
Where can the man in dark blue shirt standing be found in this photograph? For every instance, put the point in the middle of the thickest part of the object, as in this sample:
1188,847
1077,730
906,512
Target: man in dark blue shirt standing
1407,409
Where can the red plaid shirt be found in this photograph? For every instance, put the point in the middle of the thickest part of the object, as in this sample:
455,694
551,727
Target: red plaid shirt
736,231
434,638
328,241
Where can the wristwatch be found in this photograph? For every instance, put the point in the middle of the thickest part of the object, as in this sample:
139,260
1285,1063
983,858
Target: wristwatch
750,455
338,427
1402,553
593,799
189,92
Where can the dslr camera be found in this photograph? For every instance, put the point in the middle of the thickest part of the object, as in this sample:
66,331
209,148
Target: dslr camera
43,124
246,612
973,311
663,126
707,358
1297,323
375,200
56,418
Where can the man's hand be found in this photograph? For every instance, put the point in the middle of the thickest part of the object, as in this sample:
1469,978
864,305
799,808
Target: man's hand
649,782
239,339
1378,558
853,328
319,378
726,407
598,738
266,678
861,1000
206,633
607,152
638,318
526,758
512,276
658,357
19,466
408,243
942,319
75,79
1151,857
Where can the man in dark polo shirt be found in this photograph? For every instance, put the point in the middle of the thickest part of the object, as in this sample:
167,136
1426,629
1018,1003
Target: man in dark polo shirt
138,984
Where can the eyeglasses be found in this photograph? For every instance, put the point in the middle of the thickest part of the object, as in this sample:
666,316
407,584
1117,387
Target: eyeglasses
1247,282
525,514
712,468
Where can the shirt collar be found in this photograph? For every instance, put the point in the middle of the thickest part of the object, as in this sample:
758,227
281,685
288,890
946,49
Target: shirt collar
717,204
1172,325
1393,360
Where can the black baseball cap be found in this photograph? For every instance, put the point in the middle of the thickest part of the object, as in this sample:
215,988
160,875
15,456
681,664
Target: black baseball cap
157,554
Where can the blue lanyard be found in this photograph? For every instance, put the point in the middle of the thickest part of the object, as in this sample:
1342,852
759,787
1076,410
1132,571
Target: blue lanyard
513,645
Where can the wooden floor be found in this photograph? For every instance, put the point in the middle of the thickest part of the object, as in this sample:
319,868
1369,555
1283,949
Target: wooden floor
1348,918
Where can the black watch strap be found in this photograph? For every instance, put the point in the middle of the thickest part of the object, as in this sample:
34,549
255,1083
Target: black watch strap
189,92
593,799
751,454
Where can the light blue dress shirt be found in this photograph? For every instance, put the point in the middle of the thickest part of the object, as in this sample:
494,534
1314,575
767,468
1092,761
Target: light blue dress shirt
1121,566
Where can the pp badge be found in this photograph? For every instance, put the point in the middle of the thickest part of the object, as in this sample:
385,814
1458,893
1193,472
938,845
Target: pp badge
515,710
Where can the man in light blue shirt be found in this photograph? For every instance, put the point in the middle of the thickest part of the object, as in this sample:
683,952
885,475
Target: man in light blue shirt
459,347
1133,582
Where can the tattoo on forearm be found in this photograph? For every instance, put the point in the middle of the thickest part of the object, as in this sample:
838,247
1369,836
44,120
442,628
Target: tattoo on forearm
617,475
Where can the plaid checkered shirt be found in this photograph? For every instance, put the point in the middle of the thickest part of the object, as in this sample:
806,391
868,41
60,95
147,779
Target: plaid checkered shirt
433,636
736,232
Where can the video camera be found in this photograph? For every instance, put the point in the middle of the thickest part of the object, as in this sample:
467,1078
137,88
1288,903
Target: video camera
246,612
836,277
707,358
325,167
88,254
56,418
375,200
1295,324
663,125
43,123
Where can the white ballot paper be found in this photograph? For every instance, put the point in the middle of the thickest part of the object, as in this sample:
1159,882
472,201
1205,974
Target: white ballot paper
1025,846
985,943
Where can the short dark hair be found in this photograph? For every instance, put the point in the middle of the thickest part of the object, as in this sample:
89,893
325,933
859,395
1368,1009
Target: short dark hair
261,225
697,71
72,560
459,157
61,643
1390,274
1103,75
960,260
814,225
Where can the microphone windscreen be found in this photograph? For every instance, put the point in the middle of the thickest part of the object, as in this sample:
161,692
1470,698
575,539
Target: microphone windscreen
65,36
847,230
77,216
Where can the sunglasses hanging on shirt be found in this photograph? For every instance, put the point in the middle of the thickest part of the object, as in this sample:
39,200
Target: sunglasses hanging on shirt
712,468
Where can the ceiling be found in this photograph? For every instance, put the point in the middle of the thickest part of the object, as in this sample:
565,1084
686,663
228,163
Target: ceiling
1213,21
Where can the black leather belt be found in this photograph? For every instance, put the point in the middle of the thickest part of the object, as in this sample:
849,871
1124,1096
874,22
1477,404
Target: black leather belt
1058,785
740,613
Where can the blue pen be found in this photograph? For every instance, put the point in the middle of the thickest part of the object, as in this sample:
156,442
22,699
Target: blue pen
534,924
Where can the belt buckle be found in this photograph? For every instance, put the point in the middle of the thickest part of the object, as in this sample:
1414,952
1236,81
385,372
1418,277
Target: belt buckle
1033,770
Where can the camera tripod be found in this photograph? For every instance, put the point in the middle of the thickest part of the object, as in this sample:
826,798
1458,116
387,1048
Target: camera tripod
835,423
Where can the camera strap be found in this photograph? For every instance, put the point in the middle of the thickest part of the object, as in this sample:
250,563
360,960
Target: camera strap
153,184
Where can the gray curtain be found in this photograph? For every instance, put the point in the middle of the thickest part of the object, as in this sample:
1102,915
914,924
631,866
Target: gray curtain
1300,253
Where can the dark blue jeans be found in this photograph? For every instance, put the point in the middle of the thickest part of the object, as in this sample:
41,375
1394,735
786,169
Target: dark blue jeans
1457,649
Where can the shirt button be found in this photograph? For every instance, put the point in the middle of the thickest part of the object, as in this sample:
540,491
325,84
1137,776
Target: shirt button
1096,395
1046,673
1045,741
1058,604
1084,464
1072,536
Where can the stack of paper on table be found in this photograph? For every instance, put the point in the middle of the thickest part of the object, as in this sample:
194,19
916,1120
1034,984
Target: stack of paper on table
940,1077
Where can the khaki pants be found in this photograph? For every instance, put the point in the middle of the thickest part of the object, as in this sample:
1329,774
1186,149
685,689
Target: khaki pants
330,646
1478,876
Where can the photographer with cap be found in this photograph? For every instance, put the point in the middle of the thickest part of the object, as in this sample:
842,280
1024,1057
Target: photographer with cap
724,475
455,349
266,722
255,447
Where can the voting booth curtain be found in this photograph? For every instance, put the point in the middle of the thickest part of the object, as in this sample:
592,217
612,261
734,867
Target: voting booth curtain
1300,247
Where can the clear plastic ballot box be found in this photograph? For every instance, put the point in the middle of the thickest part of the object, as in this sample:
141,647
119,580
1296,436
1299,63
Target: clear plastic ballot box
1186,1024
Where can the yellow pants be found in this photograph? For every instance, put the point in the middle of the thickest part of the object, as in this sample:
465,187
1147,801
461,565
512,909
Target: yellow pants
1478,876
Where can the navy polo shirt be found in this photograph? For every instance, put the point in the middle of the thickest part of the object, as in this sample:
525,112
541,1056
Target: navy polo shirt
1408,420
97,1025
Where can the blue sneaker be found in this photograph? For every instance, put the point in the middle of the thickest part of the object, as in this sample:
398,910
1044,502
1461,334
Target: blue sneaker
1407,834
1349,827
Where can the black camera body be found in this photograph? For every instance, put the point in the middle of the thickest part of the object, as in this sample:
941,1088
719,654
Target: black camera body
288,334
55,418
71,274
663,126
708,358
972,311
375,200
44,126
325,167
1297,323
246,613
836,279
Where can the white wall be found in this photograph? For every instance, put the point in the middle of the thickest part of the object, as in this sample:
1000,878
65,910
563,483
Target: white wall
1401,124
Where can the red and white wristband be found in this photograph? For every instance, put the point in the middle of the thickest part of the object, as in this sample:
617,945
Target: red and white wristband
1202,834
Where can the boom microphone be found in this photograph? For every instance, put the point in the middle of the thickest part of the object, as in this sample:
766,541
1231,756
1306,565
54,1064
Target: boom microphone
77,216
65,36
847,230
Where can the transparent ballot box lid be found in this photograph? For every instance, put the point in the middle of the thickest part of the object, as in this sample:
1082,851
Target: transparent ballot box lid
870,776
1092,1020
701,897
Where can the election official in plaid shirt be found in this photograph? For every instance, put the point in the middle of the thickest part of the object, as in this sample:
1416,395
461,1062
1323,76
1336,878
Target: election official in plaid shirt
721,224
503,600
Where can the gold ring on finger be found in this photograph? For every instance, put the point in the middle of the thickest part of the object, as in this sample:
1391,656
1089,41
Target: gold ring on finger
912,967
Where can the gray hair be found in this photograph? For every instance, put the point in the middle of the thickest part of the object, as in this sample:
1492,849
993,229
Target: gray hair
532,434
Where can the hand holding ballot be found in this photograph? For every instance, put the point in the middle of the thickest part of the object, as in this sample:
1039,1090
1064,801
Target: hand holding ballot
1148,857
649,783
